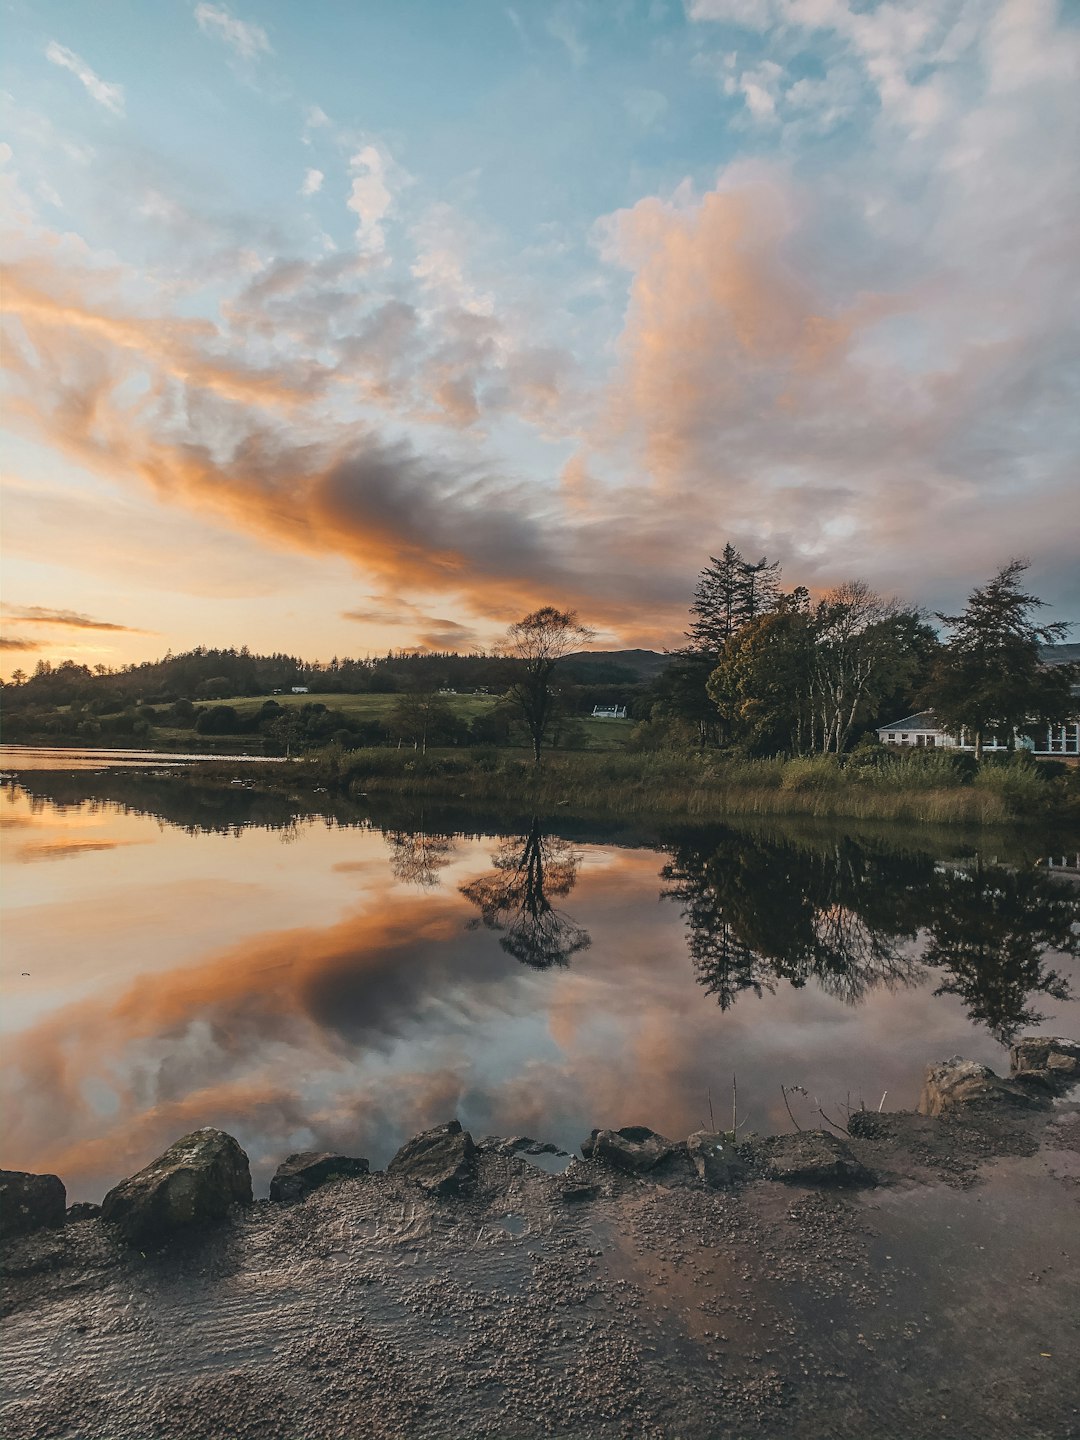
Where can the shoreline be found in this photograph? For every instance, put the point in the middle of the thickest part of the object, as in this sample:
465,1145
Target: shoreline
600,785
813,1292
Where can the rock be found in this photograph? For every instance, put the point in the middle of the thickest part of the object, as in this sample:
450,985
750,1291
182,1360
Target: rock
518,1145
194,1183
82,1210
442,1160
811,1157
576,1194
634,1148
715,1159
305,1171
961,1084
30,1202
1048,1058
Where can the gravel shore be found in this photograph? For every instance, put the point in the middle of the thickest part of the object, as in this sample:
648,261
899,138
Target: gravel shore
943,1301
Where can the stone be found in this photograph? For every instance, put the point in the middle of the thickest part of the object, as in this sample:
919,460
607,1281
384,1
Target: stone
442,1160
298,1175
194,1183
30,1202
576,1194
715,1159
1052,1059
82,1210
958,1084
811,1157
634,1149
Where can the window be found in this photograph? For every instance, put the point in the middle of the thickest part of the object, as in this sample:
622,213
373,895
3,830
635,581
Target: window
903,738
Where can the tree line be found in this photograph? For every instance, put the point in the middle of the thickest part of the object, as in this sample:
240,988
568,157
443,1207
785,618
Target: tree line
771,671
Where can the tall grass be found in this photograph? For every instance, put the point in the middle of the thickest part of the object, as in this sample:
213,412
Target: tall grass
918,787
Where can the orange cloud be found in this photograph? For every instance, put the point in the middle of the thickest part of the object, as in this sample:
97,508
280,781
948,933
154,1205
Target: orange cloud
66,619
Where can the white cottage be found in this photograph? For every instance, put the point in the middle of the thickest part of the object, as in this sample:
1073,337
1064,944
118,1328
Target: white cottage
1062,741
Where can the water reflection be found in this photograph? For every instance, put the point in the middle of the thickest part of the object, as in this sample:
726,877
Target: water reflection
990,930
849,915
175,965
417,856
516,898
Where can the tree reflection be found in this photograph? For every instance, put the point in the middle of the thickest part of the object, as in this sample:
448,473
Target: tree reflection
516,898
990,931
850,915
417,856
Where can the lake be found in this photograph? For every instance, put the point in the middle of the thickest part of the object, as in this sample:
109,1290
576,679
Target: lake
179,955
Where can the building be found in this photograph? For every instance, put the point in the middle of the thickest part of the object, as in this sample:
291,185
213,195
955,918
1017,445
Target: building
299,690
609,712
1060,741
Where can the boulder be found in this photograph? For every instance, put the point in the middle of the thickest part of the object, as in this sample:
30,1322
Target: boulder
195,1183
299,1174
30,1202
958,1084
811,1157
82,1210
442,1161
635,1148
715,1159
1047,1058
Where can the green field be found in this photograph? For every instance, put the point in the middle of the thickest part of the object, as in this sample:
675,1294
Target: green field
359,707
599,734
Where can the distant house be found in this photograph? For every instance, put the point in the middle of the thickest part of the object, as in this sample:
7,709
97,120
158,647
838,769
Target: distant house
922,730
299,690
609,712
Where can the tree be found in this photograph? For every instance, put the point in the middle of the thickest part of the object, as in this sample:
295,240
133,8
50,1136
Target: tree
538,643
989,678
420,716
730,592
802,678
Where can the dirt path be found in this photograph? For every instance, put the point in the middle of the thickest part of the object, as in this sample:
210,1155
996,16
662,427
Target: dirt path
942,1304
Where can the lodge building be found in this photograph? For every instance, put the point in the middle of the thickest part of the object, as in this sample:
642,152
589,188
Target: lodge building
1059,741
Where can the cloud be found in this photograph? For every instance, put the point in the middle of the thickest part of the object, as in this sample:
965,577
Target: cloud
67,619
562,26
313,180
106,94
15,642
244,37
369,196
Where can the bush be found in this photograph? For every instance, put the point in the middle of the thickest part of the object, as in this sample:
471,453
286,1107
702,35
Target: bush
1017,781
221,720
810,772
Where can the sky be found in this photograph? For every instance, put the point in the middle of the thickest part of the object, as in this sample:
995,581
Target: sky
346,327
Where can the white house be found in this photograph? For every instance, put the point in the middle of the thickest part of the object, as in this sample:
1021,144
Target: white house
923,730
609,712
299,689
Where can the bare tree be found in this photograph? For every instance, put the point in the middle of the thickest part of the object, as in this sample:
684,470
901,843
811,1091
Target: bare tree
539,642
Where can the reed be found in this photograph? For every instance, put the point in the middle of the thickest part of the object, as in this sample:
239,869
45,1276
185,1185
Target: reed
929,789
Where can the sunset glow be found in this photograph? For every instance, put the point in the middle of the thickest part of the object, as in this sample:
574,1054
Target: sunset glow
371,327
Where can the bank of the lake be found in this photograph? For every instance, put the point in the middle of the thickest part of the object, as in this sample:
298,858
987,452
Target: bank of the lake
916,788
792,1287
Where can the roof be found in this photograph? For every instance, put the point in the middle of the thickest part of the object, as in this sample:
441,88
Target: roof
1060,654
924,720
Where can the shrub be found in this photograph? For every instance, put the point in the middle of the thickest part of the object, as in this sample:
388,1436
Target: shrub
1017,781
810,772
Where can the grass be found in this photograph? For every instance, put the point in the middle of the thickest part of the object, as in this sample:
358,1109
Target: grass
695,786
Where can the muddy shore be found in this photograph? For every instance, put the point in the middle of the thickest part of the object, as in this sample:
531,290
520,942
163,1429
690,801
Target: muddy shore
938,1297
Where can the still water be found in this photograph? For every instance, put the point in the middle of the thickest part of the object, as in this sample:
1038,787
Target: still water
175,956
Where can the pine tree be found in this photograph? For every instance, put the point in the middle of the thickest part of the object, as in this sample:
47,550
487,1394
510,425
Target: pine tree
989,678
